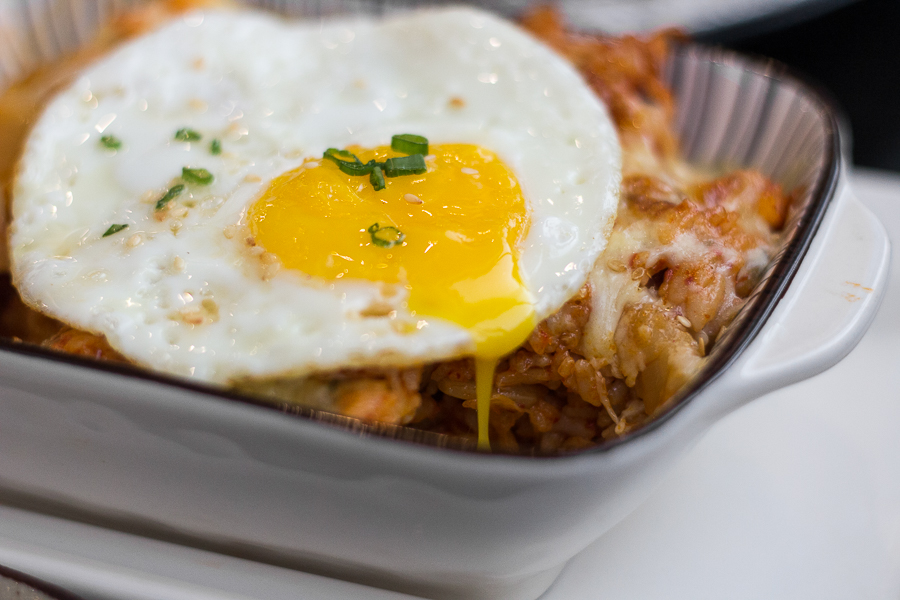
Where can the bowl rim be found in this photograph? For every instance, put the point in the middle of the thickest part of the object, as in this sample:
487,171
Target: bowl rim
417,441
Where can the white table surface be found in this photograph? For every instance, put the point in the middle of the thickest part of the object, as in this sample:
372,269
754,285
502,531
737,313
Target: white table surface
796,496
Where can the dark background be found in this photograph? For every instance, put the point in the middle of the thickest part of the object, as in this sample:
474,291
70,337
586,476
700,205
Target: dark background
853,50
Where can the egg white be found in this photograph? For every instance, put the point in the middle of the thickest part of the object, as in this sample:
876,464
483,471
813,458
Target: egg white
275,92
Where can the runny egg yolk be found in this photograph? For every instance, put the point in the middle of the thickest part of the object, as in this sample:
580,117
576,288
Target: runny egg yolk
460,222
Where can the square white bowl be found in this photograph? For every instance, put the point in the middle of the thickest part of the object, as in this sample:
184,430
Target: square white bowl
388,506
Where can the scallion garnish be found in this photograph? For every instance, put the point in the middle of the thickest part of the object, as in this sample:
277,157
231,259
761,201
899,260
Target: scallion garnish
196,176
415,145
410,143
405,165
173,192
215,147
348,162
114,229
339,156
376,177
111,142
357,168
386,237
187,135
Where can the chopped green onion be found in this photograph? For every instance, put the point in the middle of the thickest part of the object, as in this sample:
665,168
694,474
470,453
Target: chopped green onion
376,177
348,163
187,135
339,156
196,176
386,237
410,143
405,165
215,147
173,192
113,229
357,168
111,142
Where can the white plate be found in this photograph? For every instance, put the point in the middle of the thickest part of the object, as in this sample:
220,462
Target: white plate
795,496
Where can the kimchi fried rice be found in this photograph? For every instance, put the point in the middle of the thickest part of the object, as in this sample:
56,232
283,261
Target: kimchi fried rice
687,248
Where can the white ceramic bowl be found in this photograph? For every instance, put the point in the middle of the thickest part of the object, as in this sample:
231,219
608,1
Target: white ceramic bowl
141,453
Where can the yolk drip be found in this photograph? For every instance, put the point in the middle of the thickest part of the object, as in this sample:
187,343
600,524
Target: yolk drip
462,221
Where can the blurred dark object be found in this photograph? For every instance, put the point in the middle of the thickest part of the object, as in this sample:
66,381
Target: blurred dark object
15,585
854,52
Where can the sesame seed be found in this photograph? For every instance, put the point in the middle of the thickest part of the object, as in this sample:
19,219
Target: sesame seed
616,266
268,258
134,241
179,212
684,321
638,274
257,250
701,343
310,164
270,270
412,199
469,171
252,178
229,231
178,264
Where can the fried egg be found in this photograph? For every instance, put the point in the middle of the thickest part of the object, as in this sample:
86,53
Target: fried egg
176,198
